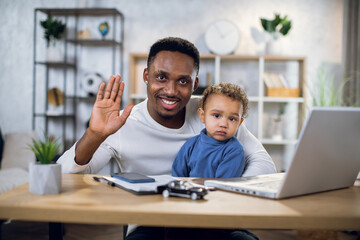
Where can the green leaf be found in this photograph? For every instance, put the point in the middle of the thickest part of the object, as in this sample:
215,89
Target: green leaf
278,24
45,151
277,20
285,28
326,92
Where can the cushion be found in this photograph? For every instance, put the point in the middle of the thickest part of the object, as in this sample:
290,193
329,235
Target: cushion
16,152
12,177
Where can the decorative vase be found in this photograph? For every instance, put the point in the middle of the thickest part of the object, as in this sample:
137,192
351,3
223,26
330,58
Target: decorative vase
273,47
277,126
273,44
54,53
45,178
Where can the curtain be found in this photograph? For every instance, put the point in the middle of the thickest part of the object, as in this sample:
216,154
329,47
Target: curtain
352,54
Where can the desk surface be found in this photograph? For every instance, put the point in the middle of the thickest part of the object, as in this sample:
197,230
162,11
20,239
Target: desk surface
83,200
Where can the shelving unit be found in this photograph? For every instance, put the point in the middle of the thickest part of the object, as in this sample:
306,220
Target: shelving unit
64,122
248,71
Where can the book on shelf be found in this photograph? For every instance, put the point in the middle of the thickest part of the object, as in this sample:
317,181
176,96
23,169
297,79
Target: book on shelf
277,86
283,80
275,80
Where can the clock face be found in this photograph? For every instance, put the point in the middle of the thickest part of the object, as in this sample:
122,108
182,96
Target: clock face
222,37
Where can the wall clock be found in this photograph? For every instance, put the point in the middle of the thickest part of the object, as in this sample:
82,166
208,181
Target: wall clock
222,37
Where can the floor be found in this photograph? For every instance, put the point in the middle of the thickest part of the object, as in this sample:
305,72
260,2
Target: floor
18,230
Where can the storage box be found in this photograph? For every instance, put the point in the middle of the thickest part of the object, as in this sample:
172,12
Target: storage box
283,92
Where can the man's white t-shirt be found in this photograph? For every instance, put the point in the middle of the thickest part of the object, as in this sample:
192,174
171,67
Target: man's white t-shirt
144,146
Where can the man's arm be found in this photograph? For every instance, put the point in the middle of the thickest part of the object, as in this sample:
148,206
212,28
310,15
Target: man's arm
105,120
100,158
258,161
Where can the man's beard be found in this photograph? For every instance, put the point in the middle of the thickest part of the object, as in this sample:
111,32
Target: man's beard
170,117
166,117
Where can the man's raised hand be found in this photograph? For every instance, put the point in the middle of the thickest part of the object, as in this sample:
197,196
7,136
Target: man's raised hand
105,116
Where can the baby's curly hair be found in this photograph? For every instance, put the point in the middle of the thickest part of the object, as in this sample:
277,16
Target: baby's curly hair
228,89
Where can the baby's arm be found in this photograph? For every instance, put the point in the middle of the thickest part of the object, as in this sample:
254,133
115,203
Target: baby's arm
233,163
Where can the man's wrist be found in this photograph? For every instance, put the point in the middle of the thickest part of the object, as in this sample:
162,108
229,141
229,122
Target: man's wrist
87,145
95,136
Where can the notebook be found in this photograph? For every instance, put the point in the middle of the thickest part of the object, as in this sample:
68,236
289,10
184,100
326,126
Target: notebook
326,157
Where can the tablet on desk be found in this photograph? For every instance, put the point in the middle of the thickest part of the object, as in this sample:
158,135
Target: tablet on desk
132,177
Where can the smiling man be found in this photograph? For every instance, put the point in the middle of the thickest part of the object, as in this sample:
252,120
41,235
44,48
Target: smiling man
169,87
171,77
156,128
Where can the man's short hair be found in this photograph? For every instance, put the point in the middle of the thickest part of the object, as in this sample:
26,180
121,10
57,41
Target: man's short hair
174,44
228,89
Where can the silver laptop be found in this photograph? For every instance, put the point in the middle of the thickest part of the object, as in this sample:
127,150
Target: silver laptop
327,157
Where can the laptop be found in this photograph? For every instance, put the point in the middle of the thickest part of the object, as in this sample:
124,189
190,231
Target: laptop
327,157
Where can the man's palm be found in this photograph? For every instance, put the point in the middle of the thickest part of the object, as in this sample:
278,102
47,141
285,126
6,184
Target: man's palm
105,117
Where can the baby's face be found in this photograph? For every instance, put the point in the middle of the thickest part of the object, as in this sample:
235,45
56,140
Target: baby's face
222,116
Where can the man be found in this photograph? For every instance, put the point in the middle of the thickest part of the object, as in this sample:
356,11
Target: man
156,128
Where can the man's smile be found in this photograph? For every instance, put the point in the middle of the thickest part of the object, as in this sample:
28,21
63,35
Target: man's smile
169,104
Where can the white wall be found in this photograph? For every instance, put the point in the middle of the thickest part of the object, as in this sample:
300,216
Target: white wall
317,33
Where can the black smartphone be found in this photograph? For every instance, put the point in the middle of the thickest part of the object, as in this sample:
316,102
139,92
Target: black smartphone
132,177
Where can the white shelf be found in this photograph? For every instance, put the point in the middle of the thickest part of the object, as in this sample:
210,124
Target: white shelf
253,99
284,99
278,142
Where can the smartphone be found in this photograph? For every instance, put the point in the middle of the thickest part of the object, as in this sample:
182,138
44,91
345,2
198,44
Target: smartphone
132,177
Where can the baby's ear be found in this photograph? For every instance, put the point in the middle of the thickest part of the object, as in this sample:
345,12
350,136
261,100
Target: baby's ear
201,115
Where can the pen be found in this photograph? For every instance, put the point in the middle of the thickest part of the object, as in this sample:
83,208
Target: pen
98,179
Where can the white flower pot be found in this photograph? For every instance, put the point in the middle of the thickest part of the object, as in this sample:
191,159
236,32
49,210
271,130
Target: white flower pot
54,53
273,43
277,129
273,47
45,178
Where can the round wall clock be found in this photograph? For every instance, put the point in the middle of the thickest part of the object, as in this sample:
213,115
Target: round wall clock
222,37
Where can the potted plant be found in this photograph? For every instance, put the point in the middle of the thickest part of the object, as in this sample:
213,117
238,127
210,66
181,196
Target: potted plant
53,32
328,91
45,174
277,127
275,28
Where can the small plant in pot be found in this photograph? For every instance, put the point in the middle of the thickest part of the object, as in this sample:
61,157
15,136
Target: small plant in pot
45,175
53,29
275,28
53,32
